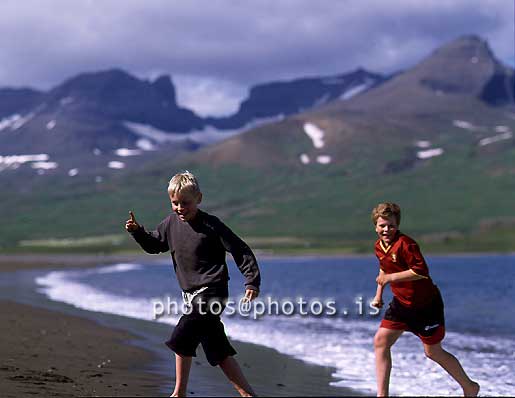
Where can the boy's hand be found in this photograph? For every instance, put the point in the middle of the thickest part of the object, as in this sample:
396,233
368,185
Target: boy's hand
131,225
382,279
377,302
250,294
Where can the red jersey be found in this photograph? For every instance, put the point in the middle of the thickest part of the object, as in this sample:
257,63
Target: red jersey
404,254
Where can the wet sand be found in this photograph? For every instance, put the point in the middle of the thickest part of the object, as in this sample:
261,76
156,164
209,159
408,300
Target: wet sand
58,353
46,353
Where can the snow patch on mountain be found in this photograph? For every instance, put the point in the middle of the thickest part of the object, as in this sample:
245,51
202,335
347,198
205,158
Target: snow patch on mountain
315,133
145,145
51,124
463,124
16,121
423,144
496,138
66,101
321,101
116,165
430,153
502,129
14,161
304,159
44,165
20,122
8,122
356,90
207,135
124,152
324,159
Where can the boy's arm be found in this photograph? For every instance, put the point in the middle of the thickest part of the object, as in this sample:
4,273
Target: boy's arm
403,276
243,257
154,242
416,263
377,301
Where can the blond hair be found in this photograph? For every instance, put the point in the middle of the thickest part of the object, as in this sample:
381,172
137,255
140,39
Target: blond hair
184,181
386,210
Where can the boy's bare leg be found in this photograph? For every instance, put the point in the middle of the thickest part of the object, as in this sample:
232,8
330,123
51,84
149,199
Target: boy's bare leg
451,364
383,341
182,374
233,372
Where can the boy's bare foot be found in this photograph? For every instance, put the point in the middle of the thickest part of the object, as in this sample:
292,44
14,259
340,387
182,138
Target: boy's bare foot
472,390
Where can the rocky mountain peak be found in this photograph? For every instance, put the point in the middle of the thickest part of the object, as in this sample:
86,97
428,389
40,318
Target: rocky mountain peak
163,84
462,66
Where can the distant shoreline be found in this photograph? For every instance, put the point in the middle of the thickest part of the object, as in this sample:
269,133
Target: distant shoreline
25,261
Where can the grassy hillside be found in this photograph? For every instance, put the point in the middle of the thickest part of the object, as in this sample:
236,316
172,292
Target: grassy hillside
462,201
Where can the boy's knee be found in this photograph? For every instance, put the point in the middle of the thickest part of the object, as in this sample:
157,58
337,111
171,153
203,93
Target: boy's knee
433,351
380,341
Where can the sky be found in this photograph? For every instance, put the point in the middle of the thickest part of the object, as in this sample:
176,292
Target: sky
214,50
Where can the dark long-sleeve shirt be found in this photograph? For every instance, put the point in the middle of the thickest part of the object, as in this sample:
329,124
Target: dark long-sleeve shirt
198,249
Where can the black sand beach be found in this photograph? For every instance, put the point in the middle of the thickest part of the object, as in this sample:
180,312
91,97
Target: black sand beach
51,348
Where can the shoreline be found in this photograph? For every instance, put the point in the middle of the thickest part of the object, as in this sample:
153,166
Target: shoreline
144,366
19,262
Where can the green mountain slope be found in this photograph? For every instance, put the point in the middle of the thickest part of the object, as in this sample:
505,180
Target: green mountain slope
425,139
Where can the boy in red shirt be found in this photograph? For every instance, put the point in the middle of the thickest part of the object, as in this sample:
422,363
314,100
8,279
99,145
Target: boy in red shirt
416,306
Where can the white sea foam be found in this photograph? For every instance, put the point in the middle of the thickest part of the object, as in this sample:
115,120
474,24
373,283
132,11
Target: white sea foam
121,267
315,133
58,286
345,344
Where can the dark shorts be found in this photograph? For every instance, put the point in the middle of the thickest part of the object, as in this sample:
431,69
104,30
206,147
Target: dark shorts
427,323
202,328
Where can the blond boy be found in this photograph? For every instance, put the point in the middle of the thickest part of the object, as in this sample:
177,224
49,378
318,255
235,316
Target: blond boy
198,243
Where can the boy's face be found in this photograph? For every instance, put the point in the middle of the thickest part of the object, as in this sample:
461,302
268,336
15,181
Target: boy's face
185,204
386,229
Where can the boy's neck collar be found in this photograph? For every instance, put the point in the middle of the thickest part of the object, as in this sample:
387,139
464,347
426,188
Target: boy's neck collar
386,247
198,216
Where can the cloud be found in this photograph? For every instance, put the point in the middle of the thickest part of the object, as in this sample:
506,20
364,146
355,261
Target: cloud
218,48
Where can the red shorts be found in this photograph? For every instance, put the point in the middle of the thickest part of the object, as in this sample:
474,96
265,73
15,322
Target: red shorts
427,323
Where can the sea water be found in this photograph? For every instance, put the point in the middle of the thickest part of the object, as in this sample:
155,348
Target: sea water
335,324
